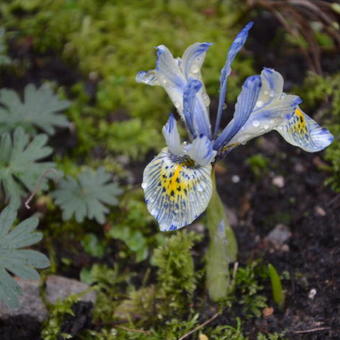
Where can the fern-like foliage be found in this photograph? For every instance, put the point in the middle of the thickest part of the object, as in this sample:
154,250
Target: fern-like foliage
38,109
87,195
14,259
19,169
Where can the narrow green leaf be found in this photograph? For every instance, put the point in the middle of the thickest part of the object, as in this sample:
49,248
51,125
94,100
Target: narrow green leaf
277,291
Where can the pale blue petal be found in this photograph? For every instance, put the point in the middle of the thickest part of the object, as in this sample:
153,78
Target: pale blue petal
192,61
271,86
148,77
267,118
302,131
195,113
225,72
201,151
193,58
168,67
167,74
244,106
175,192
172,137
189,97
272,108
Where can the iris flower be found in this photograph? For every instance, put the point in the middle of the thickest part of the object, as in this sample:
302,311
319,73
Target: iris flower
178,182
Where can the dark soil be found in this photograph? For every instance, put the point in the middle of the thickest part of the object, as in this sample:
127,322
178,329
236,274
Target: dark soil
313,252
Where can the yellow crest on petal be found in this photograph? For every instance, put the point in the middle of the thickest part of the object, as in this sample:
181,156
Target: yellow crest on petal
176,190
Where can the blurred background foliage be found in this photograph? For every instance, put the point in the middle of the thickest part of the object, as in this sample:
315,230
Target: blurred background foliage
88,52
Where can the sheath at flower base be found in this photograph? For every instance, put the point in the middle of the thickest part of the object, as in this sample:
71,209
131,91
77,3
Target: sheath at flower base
178,182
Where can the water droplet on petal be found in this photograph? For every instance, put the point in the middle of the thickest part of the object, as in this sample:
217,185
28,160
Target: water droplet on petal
195,69
256,123
144,185
259,103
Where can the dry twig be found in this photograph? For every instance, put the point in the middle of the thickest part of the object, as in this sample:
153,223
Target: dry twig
199,326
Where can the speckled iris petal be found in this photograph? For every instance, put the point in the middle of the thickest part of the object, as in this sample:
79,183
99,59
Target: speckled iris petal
272,108
302,131
176,191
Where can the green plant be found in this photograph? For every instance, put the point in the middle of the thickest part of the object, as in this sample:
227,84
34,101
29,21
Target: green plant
52,327
4,59
132,137
38,109
277,291
14,259
132,225
19,167
258,164
93,245
249,290
227,332
270,336
88,195
177,278
222,250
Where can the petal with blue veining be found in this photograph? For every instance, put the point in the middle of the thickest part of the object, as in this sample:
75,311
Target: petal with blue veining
172,137
176,190
226,70
302,131
272,108
192,61
243,108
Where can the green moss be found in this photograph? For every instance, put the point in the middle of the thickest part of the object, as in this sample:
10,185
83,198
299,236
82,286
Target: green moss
132,224
177,279
111,42
249,289
52,326
258,164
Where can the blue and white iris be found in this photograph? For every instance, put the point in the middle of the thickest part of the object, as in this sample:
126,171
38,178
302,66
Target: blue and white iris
177,182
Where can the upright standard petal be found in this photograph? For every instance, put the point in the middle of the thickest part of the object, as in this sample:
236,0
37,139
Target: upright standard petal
192,61
195,113
176,191
302,131
272,108
168,74
244,106
226,70
172,137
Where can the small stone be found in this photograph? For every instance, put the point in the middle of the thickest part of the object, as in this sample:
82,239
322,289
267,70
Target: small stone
57,288
202,337
278,236
268,311
311,294
235,178
298,167
198,228
279,181
320,211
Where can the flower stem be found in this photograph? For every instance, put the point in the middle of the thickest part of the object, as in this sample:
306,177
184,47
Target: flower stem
222,249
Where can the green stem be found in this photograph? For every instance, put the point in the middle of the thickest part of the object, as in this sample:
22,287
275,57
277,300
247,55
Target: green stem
222,248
